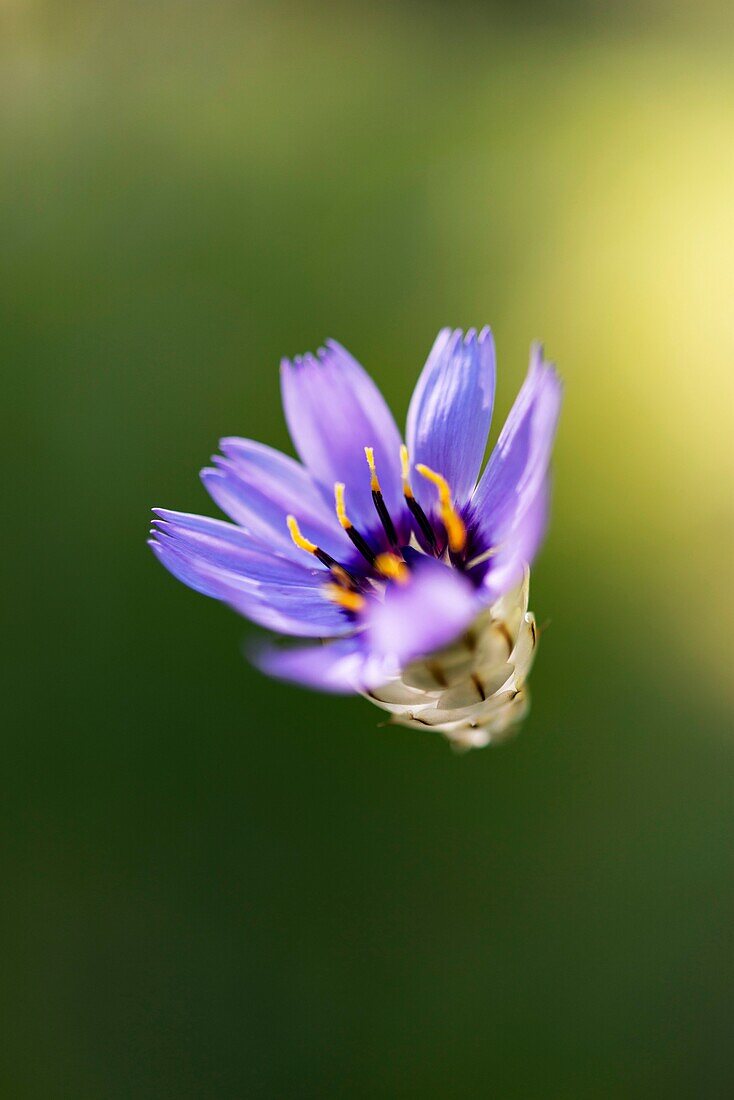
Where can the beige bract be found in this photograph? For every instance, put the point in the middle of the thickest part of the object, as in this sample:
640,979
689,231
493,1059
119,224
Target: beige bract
472,691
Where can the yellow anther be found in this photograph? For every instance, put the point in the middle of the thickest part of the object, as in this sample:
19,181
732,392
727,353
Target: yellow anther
341,513
345,597
300,540
392,567
452,521
405,470
455,529
444,490
369,453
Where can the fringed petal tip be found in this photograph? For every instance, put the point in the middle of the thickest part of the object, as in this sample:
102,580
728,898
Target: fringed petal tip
545,368
334,410
323,356
451,411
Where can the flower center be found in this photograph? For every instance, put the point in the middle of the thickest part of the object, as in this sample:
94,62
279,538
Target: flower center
348,589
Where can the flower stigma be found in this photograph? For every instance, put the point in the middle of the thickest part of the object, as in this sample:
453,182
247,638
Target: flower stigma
339,572
452,521
341,514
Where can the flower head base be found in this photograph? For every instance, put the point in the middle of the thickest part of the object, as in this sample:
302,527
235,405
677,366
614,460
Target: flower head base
472,690
417,585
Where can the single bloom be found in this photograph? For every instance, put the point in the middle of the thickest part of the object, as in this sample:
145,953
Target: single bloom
402,572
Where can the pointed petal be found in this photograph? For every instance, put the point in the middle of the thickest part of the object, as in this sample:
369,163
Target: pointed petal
428,612
282,605
519,462
334,410
451,410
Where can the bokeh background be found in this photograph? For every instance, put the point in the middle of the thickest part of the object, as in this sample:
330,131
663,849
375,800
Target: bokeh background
216,886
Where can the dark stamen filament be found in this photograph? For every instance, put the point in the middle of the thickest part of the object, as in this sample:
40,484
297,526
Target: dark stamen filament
379,501
339,571
361,543
385,517
416,511
421,519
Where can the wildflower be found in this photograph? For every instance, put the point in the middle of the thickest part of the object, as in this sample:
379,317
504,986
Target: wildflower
404,573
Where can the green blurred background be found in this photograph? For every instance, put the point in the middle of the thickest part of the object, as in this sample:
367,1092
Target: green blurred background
217,886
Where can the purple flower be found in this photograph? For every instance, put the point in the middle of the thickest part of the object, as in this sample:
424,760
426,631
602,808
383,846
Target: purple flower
405,571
